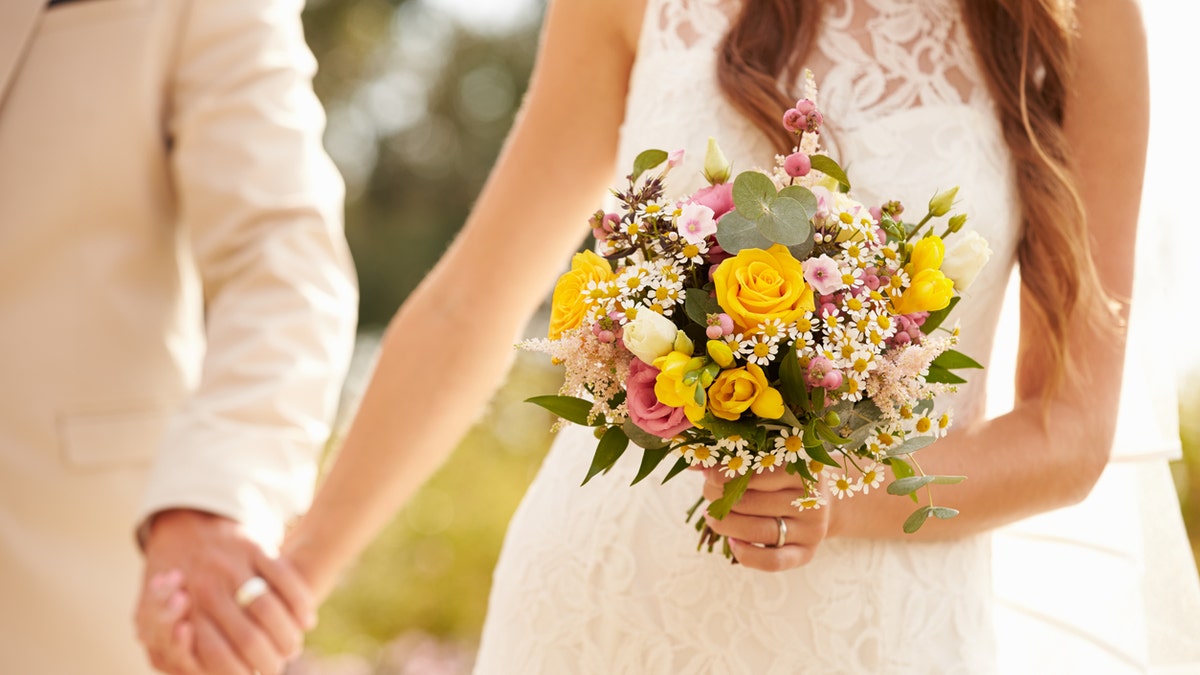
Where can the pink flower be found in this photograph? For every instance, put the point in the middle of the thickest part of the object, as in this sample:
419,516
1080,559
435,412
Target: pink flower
717,197
822,274
645,410
603,224
696,222
794,121
797,164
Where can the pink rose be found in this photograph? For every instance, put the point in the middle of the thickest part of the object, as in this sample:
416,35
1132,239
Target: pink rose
717,197
645,410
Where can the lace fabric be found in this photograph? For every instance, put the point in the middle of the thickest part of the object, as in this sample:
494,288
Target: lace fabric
605,578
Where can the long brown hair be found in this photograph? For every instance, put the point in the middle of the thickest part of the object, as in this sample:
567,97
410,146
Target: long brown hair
1026,52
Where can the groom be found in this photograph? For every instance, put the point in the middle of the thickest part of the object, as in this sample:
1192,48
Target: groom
176,311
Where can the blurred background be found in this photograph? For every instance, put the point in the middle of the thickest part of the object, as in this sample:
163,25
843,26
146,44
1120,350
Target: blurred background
420,94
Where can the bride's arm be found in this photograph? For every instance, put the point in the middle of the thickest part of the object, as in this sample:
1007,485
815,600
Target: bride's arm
450,345
1038,458
1045,453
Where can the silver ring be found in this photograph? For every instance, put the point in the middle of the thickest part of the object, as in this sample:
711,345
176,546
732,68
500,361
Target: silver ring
782,532
251,590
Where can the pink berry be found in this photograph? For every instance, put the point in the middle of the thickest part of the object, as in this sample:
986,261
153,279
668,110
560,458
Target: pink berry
713,332
797,164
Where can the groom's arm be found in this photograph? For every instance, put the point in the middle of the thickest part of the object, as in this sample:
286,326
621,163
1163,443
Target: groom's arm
260,207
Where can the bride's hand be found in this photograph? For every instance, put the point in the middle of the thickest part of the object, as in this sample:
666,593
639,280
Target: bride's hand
163,626
753,526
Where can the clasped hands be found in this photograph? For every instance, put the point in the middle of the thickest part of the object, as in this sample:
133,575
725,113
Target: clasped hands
213,602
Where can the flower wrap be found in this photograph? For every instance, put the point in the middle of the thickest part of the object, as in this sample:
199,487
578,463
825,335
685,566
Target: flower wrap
567,307
756,286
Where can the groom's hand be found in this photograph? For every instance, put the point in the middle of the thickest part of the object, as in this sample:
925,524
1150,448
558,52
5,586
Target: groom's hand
216,558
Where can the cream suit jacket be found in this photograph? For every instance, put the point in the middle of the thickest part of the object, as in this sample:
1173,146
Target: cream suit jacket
176,298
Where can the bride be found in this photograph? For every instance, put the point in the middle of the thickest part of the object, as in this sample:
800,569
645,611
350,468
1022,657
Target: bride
1035,108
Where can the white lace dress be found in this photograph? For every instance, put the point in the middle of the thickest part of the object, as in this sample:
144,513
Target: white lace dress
605,578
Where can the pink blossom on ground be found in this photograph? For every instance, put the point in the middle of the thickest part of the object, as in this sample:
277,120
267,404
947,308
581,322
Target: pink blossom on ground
822,274
695,223
645,410
717,197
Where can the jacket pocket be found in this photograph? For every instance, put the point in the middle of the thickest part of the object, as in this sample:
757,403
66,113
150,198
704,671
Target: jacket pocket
112,440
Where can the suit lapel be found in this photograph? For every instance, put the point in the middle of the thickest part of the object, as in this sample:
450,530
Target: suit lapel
18,19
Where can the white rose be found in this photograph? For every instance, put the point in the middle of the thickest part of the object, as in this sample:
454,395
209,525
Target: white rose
649,336
963,262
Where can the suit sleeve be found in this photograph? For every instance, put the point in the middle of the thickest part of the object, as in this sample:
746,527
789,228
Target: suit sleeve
261,205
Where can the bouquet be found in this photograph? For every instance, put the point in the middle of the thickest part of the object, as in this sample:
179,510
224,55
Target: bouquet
768,322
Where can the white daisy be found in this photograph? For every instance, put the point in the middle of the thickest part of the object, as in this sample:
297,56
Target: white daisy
842,486
768,461
735,465
791,443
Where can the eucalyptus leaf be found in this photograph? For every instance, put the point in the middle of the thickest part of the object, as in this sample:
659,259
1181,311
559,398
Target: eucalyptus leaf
785,222
648,159
935,319
676,469
943,512
803,195
650,461
753,193
803,250
734,490
912,445
923,406
939,375
917,519
951,359
948,480
909,485
569,408
736,232
827,166
612,445
698,304
642,438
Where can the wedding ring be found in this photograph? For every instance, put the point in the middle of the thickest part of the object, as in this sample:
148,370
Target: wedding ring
251,590
782,532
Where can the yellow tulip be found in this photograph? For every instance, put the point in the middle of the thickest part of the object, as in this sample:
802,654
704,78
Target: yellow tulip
739,389
670,389
929,291
927,254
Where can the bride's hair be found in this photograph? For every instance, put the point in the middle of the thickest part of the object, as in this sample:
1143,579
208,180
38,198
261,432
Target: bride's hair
1026,48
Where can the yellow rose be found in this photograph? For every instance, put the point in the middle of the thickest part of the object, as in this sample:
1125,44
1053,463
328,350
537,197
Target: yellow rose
756,285
740,388
927,255
567,308
670,389
929,291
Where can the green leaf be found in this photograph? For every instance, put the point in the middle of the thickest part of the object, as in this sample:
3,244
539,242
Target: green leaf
827,166
698,304
801,467
612,445
643,438
951,359
909,485
943,512
900,468
647,160
569,408
789,417
917,519
725,428
676,470
803,195
736,232
785,222
948,480
734,490
650,461
939,375
935,319
828,434
817,400
912,445
753,193
791,379
803,250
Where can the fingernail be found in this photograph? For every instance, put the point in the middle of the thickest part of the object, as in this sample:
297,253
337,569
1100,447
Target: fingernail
175,577
177,602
